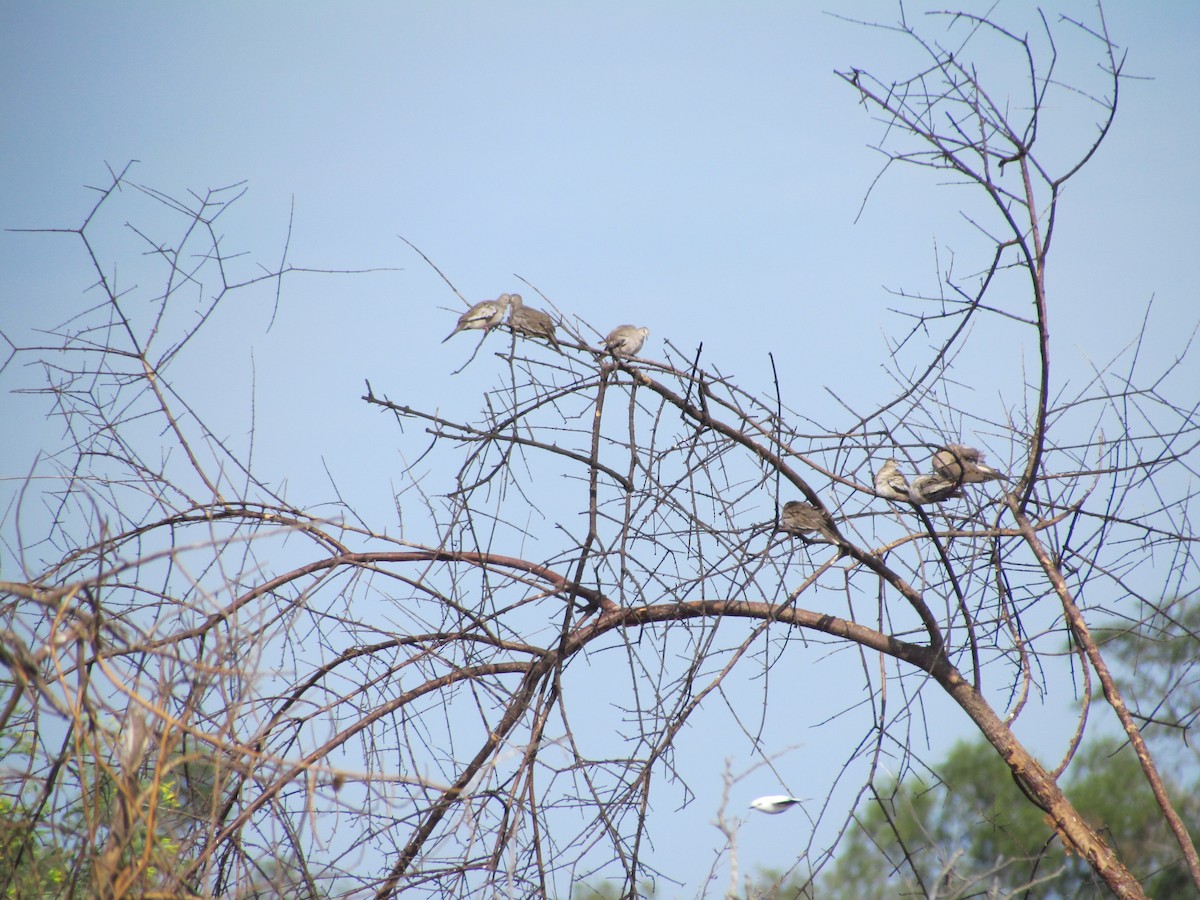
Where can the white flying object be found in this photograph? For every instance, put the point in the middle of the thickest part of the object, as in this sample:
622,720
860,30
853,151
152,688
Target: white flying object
775,803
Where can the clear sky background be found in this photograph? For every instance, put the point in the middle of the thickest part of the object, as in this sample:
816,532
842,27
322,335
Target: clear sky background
694,167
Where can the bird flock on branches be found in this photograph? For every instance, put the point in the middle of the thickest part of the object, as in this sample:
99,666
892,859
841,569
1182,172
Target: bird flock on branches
624,340
954,465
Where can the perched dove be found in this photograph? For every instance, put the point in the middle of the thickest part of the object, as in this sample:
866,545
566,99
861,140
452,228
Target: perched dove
135,739
531,322
775,804
890,482
964,464
626,340
932,489
799,518
485,315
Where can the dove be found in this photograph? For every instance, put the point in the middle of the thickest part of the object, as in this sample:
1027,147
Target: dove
774,804
799,518
530,322
135,739
626,340
964,465
485,315
890,482
932,489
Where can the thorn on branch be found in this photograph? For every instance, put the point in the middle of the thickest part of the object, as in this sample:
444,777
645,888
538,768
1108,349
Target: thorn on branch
1016,157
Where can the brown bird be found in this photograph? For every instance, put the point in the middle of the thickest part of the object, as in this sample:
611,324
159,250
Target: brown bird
799,518
484,315
531,322
964,465
626,340
932,489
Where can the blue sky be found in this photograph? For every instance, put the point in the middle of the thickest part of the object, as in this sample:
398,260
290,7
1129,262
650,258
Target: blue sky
693,167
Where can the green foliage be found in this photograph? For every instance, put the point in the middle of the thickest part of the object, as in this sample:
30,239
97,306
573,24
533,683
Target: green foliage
972,831
1157,667
50,847
39,857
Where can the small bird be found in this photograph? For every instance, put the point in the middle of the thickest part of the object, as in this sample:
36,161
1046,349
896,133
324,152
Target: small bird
799,518
964,464
774,804
484,315
529,321
890,482
932,489
626,340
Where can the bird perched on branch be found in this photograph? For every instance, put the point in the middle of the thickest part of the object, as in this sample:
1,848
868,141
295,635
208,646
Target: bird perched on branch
799,518
964,465
626,340
890,482
484,315
932,489
529,321
774,804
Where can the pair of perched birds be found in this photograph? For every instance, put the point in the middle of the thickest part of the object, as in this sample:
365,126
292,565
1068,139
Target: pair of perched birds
953,466
624,340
